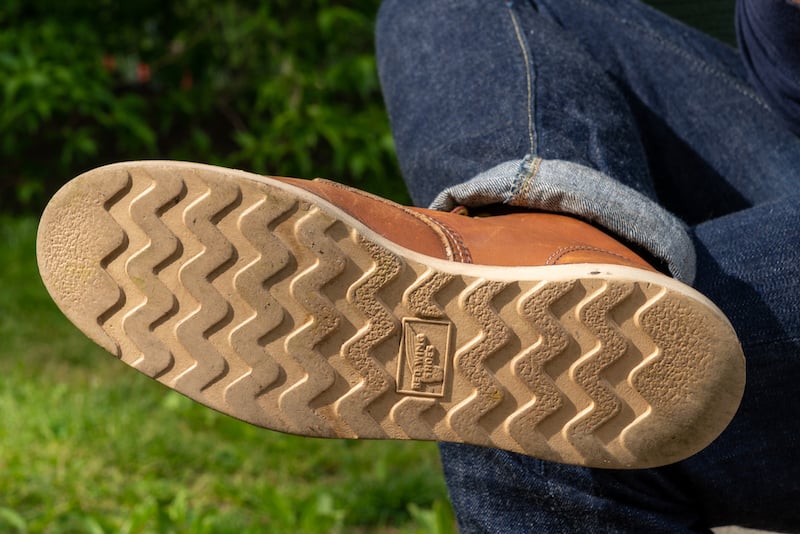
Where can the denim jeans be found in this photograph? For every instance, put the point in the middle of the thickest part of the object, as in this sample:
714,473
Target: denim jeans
610,111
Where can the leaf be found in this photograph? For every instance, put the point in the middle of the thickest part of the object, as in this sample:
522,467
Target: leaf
13,520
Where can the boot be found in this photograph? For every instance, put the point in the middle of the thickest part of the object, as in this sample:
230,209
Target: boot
312,308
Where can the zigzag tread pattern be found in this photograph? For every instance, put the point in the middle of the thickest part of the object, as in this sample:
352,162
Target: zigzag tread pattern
408,414
380,324
323,320
420,296
268,258
469,362
530,368
158,302
317,380
117,248
587,372
523,424
227,309
212,310
221,312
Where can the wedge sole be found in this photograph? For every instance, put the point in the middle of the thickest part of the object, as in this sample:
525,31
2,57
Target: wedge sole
269,304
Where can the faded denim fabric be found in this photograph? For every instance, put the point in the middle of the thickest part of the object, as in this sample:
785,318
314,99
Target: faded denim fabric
610,111
565,187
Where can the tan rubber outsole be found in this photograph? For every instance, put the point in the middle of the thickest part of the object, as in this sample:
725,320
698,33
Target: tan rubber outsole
267,303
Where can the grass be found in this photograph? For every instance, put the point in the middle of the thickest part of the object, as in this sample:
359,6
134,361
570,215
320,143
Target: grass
89,445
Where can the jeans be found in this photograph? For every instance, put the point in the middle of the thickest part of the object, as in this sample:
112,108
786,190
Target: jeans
612,112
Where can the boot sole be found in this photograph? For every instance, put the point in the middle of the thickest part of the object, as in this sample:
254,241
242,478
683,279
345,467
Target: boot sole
269,304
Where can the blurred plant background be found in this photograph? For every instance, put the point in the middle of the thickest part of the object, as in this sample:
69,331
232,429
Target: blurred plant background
281,87
276,87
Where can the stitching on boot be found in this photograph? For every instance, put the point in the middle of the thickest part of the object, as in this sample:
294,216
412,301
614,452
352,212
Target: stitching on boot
444,237
456,241
560,253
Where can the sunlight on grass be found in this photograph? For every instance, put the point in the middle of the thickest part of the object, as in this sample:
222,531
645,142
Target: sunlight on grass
89,445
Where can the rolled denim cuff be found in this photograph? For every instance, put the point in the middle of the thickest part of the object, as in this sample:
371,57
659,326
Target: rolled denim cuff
564,187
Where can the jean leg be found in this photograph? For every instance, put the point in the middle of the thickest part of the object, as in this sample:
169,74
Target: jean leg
713,144
500,492
492,103
749,264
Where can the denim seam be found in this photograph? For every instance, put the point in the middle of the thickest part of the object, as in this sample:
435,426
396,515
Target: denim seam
524,48
527,182
526,53
693,60
522,180
528,169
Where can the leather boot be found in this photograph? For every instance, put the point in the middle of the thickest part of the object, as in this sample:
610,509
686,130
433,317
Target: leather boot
312,308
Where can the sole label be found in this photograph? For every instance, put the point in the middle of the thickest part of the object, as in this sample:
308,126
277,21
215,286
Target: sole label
424,352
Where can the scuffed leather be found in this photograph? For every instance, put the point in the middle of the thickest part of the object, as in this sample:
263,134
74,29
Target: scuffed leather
514,239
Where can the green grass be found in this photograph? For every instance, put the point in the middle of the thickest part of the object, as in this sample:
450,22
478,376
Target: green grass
89,445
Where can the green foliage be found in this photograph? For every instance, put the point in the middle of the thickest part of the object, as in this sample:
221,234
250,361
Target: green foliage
282,87
88,445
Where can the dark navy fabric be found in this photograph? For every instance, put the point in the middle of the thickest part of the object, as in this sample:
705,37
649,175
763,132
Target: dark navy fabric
769,38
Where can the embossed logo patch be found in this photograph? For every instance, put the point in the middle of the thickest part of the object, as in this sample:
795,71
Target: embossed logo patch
424,350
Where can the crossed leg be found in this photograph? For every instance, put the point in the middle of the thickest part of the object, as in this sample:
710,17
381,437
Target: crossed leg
610,111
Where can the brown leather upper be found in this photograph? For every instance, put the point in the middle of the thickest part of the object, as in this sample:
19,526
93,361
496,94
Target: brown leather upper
403,225
515,239
533,238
